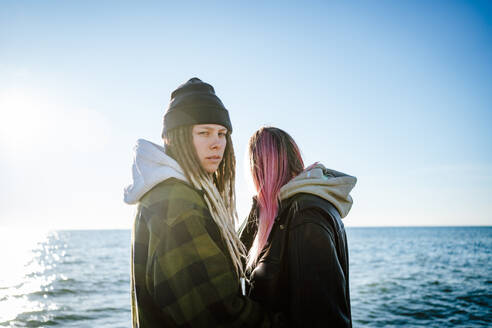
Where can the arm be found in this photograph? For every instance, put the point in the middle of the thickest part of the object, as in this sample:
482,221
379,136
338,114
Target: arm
191,279
318,283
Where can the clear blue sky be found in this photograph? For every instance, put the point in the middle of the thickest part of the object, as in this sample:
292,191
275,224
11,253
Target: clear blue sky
397,93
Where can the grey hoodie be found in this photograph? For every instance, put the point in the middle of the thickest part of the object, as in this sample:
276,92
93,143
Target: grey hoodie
328,184
151,166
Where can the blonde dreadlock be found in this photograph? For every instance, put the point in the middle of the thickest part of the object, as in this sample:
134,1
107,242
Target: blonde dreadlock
218,187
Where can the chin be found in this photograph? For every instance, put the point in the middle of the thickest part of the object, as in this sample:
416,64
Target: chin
211,169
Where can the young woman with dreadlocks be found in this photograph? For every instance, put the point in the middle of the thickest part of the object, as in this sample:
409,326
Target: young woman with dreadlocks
186,256
298,256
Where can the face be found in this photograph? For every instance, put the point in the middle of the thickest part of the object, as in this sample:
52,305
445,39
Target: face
210,142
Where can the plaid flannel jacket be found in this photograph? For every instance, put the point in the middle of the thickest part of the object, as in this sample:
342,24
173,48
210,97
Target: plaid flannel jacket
182,275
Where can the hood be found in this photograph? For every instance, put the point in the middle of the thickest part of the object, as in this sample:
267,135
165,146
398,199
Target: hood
328,184
151,166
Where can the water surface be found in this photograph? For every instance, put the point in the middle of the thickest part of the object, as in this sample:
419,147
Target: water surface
408,277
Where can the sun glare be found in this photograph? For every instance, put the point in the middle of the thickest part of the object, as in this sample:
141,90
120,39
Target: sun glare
22,118
33,118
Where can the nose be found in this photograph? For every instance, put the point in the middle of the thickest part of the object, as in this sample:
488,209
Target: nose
215,142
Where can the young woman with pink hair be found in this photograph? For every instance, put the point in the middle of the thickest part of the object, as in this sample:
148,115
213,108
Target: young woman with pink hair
298,255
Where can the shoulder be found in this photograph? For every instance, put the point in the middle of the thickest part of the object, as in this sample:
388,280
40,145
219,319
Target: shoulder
172,199
171,189
310,209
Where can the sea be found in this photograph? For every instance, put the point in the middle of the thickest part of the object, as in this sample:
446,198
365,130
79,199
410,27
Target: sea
399,277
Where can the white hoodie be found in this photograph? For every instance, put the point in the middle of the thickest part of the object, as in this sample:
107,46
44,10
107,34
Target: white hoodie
328,184
151,166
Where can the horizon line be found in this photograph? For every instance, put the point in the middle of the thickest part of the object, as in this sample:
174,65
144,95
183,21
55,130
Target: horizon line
349,227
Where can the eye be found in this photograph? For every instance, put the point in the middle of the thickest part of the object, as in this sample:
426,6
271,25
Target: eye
203,133
222,134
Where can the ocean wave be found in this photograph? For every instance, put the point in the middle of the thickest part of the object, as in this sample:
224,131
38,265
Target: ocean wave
55,292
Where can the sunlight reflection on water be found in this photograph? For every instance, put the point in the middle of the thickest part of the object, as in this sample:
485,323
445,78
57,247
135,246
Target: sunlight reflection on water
66,278
26,256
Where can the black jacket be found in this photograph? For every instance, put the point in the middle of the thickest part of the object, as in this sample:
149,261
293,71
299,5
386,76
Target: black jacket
303,270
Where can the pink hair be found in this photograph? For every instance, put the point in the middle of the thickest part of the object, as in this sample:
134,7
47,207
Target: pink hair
275,159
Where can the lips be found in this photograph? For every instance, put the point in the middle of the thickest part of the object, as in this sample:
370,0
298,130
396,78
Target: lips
213,158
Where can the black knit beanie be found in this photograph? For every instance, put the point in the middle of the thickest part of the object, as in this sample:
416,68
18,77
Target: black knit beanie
195,102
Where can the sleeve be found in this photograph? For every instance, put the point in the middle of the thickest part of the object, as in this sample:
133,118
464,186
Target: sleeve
318,282
191,279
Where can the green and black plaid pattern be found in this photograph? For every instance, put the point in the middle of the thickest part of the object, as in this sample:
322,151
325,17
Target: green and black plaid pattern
181,270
